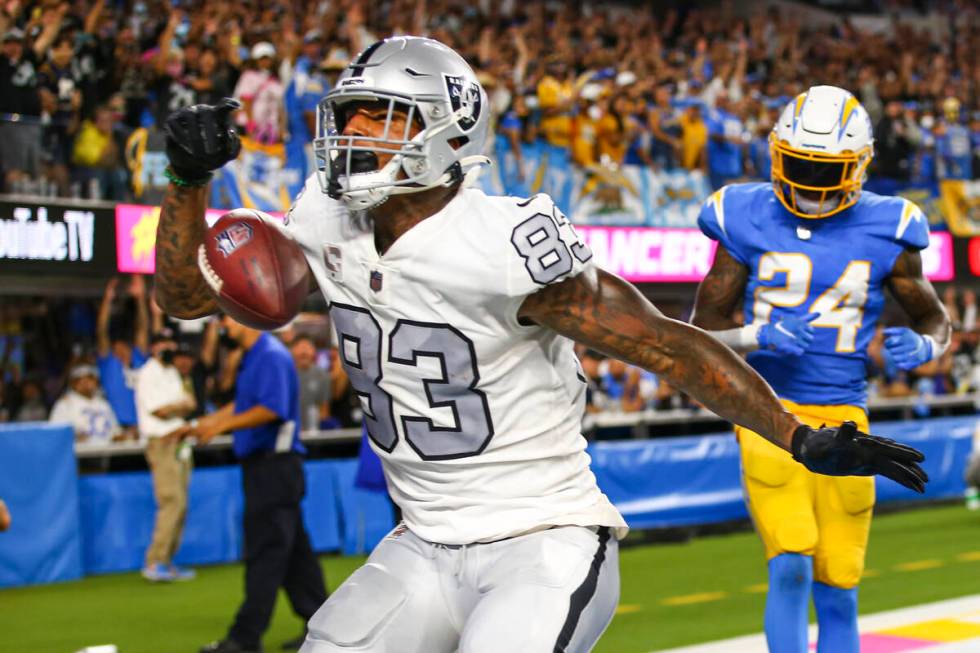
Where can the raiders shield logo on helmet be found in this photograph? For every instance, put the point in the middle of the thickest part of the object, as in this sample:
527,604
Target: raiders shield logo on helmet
466,96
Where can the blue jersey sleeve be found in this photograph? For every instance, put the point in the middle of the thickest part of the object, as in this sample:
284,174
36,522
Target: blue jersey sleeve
315,89
913,228
510,120
711,221
271,388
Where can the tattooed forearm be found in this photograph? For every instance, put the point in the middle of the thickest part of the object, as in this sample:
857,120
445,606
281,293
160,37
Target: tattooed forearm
610,315
917,296
180,289
719,293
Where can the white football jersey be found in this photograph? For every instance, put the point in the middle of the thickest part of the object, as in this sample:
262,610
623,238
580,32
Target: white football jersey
476,418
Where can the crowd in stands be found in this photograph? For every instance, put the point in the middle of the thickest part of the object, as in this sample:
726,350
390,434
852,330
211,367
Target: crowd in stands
85,85
77,361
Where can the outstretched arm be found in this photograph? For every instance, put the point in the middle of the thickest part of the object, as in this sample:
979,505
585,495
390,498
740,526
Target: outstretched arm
608,314
180,289
199,139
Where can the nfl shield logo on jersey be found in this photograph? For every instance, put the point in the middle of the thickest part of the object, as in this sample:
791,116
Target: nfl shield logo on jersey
233,237
376,278
465,96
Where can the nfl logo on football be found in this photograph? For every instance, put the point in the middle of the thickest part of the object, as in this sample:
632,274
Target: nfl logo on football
233,237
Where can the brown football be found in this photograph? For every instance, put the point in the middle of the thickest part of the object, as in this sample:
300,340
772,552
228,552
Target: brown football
255,268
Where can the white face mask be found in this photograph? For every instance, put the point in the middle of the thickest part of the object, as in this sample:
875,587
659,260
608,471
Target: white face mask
595,112
812,207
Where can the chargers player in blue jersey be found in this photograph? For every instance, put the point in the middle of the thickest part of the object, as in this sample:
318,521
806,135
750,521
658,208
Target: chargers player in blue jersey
810,256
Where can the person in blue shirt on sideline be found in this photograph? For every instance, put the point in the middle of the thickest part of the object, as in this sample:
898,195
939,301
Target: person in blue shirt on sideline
264,419
119,358
726,142
307,85
954,158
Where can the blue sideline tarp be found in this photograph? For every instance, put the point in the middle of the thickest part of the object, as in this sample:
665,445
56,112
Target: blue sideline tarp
695,480
39,483
118,512
64,525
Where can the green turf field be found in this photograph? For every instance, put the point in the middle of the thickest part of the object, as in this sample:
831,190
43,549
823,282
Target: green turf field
672,595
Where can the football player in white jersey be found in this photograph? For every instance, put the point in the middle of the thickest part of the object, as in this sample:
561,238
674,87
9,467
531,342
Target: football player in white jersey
455,313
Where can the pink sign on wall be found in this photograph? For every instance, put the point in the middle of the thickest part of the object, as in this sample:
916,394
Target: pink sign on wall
648,254
645,254
937,259
136,235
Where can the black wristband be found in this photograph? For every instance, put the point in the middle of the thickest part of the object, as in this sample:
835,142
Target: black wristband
186,180
796,444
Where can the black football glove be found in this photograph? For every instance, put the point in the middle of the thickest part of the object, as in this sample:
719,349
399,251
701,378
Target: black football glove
200,139
845,451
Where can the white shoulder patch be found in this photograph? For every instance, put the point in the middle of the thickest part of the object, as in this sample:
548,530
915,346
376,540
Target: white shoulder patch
910,213
717,200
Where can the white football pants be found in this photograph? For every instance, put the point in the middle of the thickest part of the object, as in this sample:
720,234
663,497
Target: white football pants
552,591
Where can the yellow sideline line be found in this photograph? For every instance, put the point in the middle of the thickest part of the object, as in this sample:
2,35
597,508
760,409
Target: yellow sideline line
762,588
919,565
688,599
628,608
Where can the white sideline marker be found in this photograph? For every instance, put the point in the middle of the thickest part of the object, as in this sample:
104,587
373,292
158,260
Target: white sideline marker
965,610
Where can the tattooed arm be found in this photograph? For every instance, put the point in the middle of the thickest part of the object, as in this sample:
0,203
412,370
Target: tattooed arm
719,292
917,296
608,314
180,289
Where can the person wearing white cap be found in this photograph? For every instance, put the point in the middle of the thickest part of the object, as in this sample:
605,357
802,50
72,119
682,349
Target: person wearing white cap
84,407
261,94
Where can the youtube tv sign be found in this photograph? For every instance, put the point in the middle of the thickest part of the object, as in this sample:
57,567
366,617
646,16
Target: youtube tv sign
649,254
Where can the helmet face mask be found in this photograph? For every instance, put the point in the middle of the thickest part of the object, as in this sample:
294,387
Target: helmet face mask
821,147
813,185
406,82
348,165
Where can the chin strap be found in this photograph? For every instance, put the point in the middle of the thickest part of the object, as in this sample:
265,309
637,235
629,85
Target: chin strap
466,170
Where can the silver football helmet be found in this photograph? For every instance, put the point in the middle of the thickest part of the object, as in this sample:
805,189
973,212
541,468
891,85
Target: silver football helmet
436,89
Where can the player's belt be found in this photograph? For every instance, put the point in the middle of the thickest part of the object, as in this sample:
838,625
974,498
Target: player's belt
594,529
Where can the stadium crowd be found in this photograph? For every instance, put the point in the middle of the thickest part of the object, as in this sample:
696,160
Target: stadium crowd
84,85
42,371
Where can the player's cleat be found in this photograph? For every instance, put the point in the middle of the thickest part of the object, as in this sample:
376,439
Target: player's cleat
182,573
158,573
845,451
229,646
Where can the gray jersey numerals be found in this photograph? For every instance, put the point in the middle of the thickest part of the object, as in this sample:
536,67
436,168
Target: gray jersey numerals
455,389
546,254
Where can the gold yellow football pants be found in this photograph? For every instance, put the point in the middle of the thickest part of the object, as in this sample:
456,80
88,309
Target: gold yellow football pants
797,511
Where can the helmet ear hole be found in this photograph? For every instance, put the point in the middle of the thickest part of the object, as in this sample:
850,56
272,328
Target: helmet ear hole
458,142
